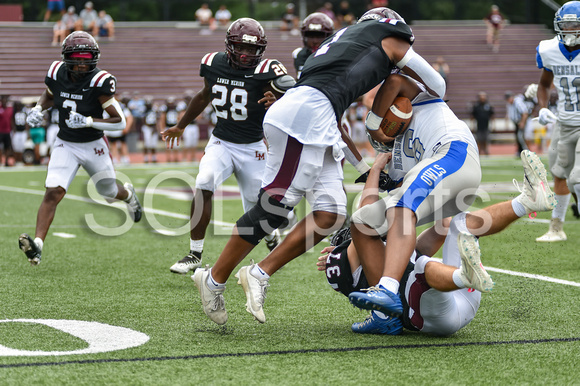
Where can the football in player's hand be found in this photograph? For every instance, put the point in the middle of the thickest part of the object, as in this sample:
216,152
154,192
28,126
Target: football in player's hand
397,118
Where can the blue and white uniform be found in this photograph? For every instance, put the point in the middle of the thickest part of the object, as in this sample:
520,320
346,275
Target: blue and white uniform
552,55
437,161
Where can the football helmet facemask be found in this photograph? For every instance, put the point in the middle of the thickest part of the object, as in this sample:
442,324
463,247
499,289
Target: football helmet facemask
380,13
567,23
245,32
315,28
381,147
80,48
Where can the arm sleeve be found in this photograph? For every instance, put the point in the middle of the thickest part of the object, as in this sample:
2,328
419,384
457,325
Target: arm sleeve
427,74
112,126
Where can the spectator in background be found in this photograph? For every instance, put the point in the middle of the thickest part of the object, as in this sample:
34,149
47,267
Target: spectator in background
69,19
442,68
104,27
138,110
56,6
344,16
59,32
168,117
150,130
223,16
290,20
327,9
518,113
118,138
190,137
87,18
204,16
482,112
495,22
19,135
6,125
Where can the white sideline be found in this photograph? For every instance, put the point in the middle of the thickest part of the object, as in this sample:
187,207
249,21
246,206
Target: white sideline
221,223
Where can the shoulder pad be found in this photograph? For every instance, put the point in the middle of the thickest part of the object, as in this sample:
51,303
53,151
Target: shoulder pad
99,78
53,70
267,66
208,58
296,52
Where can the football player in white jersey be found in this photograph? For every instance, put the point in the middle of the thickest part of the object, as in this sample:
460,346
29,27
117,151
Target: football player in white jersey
560,64
436,160
438,298
82,93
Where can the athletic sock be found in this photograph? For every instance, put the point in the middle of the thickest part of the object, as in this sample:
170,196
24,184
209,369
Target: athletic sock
196,245
214,285
389,284
259,273
561,207
457,278
518,207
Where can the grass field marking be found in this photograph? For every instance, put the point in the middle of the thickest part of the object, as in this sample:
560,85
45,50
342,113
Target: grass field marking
533,276
290,352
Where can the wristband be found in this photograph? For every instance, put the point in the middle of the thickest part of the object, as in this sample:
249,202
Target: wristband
373,121
89,121
362,167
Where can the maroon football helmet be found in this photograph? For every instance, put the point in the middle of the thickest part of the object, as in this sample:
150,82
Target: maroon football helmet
380,13
80,48
315,28
244,33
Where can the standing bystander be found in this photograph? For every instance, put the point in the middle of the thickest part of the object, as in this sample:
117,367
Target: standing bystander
482,112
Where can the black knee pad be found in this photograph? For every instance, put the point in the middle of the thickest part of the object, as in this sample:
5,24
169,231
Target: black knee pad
268,214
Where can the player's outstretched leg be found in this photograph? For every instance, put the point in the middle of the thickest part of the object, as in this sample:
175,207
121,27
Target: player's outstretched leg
472,274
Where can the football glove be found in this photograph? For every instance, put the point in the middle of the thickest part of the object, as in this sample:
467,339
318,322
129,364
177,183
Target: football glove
77,121
531,91
35,117
386,183
545,116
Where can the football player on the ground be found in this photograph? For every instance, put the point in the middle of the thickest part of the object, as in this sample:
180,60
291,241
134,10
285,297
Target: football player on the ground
81,92
437,298
559,60
239,83
303,155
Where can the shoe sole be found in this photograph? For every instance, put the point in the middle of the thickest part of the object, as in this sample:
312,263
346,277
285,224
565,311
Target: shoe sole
471,257
367,304
24,244
536,167
547,240
182,271
243,281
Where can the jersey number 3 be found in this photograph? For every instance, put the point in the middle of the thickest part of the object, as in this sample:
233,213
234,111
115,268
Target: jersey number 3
238,98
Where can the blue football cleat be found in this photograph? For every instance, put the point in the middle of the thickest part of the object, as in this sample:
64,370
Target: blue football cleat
375,325
379,299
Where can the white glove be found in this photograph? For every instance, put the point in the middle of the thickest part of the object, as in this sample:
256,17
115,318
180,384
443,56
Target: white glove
531,91
77,121
546,116
35,117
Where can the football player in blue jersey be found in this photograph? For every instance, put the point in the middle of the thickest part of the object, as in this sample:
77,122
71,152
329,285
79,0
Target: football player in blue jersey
81,92
304,156
239,83
559,61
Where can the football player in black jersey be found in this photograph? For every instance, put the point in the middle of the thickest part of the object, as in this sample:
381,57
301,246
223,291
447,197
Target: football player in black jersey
315,28
239,84
81,92
303,156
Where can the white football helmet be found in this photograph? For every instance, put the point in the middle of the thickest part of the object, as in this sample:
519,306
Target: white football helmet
567,23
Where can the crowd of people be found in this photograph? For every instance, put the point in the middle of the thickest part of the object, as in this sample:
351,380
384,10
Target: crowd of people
284,137
100,25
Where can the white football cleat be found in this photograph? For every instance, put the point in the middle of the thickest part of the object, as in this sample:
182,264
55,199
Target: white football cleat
133,204
191,262
555,233
255,290
536,195
213,302
472,273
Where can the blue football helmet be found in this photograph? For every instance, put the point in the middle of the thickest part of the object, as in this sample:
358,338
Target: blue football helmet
567,23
